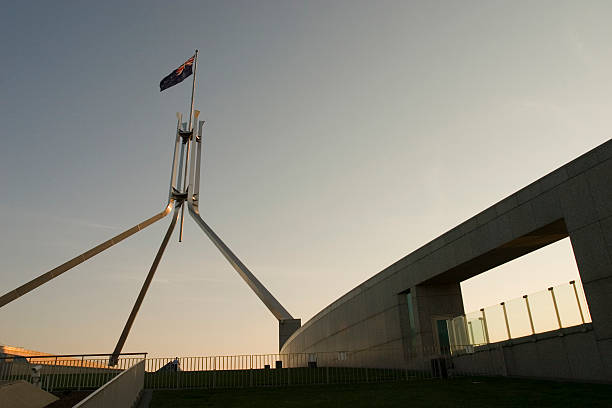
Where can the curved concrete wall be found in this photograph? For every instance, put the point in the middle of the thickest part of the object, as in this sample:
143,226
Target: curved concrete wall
574,200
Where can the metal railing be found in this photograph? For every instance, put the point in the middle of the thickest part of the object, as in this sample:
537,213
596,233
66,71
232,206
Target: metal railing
552,309
281,370
67,371
250,371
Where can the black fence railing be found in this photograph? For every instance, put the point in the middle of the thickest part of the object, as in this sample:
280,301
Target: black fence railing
65,371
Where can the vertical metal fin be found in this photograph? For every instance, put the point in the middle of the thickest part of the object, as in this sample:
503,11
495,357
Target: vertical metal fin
173,178
195,194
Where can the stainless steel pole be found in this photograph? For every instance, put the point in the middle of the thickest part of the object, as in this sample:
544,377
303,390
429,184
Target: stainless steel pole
143,291
190,128
503,305
193,187
260,290
484,326
552,293
529,314
472,332
179,178
53,273
195,68
194,170
287,324
573,283
177,140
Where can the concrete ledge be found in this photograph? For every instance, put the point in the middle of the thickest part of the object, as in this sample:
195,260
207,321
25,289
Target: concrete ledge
565,354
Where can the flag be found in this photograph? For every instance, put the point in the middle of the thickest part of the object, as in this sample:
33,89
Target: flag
178,75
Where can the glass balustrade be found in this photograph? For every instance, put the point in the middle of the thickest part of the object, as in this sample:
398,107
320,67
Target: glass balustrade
552,309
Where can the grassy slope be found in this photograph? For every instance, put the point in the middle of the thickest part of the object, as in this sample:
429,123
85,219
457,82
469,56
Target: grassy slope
464,392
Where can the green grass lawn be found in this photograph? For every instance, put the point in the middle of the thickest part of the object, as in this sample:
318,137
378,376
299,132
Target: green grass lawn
461,392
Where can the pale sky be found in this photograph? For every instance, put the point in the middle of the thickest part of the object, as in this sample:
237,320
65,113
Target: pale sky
340,137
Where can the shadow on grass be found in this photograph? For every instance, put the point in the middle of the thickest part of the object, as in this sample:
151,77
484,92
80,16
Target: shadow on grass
463,392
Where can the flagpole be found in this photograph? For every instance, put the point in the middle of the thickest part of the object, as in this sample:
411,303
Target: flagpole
195,68
190,128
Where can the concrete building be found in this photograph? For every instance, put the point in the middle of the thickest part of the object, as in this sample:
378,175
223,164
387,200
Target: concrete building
398,311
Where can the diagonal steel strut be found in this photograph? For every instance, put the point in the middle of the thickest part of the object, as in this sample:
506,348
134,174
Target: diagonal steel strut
143,291
55,272
193,205
260,290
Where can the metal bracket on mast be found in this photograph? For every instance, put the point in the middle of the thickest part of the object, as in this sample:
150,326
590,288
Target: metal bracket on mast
186,135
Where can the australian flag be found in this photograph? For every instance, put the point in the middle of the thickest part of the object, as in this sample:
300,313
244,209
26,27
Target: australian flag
178,75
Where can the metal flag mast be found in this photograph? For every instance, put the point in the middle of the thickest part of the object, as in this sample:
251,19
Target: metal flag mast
188,141
179,192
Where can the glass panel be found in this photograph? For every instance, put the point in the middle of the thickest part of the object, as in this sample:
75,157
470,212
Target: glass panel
568,307
518,318
496,324
475,328
458,333
543,312
472,330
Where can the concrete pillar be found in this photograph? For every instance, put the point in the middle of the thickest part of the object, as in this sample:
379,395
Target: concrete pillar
286,328
430,302
593,251
589,222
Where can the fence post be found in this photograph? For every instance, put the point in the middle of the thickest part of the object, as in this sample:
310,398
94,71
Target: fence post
484,324
54,383
80,374
552,292
176,378
529,314
503,305
467,332
573,283
471,332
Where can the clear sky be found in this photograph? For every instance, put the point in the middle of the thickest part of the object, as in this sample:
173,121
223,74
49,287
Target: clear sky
340,137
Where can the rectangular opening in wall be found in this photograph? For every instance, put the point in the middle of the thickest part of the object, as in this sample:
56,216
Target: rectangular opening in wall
535,293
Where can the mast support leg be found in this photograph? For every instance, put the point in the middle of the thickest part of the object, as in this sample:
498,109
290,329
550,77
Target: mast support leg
66,266
287,324
143,291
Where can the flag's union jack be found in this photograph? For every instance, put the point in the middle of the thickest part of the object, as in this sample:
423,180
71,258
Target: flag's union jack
178,75
180,69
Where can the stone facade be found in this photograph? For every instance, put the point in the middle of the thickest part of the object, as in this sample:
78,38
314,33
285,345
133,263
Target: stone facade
574,200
